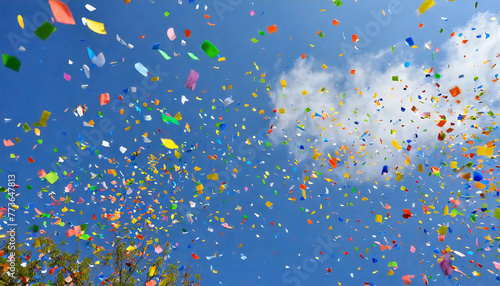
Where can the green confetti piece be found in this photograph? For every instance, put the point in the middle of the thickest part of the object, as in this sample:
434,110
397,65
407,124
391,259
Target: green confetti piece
393,264
442,230
210,49
173,206
254,40
166,13
438,76
262,33
337,3
497,213
51,177
26,127
11,62
167,57
193,56
321,35
170,119
395,78
85,237
45,30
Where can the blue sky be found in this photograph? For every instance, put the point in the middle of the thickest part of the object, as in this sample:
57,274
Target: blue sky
280,245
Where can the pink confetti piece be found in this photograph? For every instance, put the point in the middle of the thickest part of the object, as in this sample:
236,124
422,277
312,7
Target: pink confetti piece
67,77
8,143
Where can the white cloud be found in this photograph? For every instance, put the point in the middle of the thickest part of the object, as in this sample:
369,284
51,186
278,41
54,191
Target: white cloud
363,112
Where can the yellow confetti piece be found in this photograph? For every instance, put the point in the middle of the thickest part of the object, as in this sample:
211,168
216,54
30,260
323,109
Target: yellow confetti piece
396,144
177,154
199,189
425,6
316,155
485,151
399,176
178,116
213,176
97,27
269,204
378,218
20,21
169,143
152,270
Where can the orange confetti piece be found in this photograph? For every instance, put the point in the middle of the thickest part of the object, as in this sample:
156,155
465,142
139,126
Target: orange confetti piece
455,91
333,162
272,29
335,22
